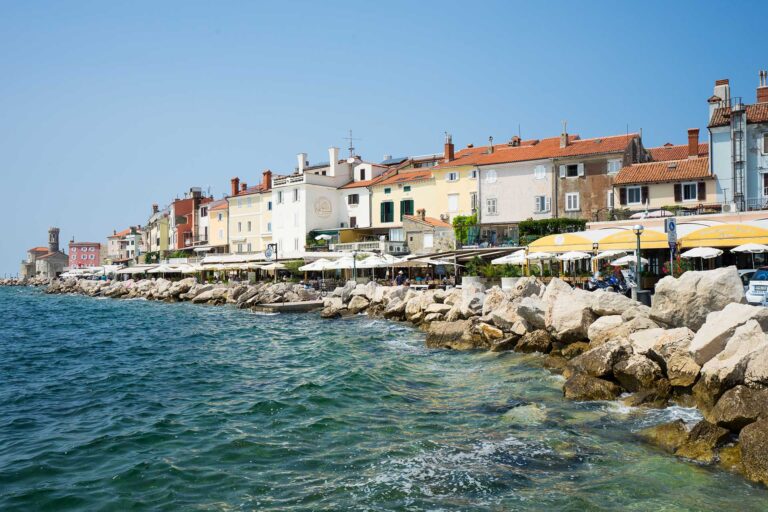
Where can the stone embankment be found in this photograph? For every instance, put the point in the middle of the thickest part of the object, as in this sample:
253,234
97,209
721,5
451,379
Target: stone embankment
699,345
17,281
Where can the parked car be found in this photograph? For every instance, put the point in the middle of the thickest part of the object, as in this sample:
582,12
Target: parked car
758,286
746,277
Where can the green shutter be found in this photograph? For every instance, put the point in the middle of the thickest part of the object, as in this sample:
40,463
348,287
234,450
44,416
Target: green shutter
383,212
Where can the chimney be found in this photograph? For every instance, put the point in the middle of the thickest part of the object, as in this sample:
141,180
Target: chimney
693,142
422,213
155,208
235,185
266,180
333,157
762,90
448,151
564,135
302,159
387,157
243,187
490,144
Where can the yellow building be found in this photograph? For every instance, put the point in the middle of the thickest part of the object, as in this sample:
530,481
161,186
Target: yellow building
218,213
455,189
398,195
250,216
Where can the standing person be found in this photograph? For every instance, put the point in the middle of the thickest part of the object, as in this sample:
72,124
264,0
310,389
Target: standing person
400,279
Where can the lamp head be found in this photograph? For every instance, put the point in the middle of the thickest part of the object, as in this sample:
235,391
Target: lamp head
595,245
638,229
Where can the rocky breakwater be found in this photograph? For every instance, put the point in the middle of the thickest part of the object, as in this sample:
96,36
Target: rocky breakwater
699,345
240,295
18,281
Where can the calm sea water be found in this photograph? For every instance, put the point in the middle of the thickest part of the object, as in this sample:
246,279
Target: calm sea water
116,405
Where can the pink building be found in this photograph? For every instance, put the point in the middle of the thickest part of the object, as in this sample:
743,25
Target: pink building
84,254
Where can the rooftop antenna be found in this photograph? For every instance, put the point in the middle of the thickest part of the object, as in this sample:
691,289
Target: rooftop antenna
519,133
351,147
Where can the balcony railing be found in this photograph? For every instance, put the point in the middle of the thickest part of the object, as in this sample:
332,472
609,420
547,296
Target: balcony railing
288,180
384,247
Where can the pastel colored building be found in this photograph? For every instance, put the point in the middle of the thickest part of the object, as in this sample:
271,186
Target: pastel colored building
249,216
84,254
218,240
185,220
158,235
399,195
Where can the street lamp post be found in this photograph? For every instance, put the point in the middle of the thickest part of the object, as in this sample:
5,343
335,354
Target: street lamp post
638,230
595,246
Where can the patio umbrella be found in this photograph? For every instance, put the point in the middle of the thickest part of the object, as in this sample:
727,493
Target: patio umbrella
751,249
516,258
629,259
705,253
317,265
574,256
540,256
609,254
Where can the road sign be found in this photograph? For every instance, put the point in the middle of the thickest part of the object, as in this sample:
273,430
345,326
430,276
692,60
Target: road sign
670,228
268,253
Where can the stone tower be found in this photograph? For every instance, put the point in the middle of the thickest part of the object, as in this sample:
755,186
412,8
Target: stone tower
53,240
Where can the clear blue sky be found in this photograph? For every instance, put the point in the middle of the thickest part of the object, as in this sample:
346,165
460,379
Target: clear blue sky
108,107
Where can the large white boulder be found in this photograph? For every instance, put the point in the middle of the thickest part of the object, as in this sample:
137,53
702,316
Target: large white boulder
494,299
720,326
531,309
610,303
567,313
686,301
671,351
600,329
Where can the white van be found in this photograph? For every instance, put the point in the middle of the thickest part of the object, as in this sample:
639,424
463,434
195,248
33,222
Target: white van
758,286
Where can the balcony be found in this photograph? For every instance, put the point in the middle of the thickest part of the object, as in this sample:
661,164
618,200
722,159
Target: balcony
288,180
382,247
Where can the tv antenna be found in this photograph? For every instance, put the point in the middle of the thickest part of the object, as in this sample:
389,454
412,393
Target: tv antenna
351,140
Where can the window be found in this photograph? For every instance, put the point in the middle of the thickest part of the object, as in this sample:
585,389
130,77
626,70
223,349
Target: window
765,143
205,232
609,199
204,211
353,199
83,256
406,207
74,249
634,195
249,226
452,176
90,256
220,217
279,197
248,202
269,227
221,234
571,170
540,204
295,195
295,244
387,211
540,172
362,174
473,201
429,240
239,202
239,227
614,166
690,192
473,174
490,206
353,222
572,202
387,190
490,176
249,247
453,203
91,249
269,205
239,247
407,188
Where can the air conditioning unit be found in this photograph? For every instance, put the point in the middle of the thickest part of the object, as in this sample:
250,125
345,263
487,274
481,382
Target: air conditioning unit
444,217
399,185
343,225
730,208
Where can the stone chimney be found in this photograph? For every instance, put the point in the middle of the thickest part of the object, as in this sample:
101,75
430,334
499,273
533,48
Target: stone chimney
155,208
564,136
302,159
53,240
693,142
333,158
448,151
266,180
762,90
490,144
422,213
243,187
235,186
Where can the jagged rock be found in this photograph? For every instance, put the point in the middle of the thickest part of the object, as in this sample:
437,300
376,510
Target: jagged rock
711,339
727,369
504,344
702,442
604,303
203,297
357,304
452,335
623,331
730,458
395,309
667,436
637,372
472,304
754,451
494,299
437,307
505,317
638,310
488,333
738,407
756,373
643,341
671,352
601,329
432,317
584,387
452,296
555,363
686,301
599,361
531,309
330,312
656,396
574,349
526,287
536,341
568,315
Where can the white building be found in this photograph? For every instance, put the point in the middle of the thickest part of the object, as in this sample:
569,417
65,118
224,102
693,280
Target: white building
307,202
738,141
355,197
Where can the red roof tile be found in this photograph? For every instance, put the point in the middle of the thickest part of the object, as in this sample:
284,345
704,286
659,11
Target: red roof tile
438,223
405,177
664,172
675,152
121,234
221,204
757,113
539,149
38,249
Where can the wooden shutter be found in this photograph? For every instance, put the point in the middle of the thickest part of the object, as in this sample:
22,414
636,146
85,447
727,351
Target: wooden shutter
623,195
562,171
702,191
383,212
547,204
580,169
643,194
678,192
536,203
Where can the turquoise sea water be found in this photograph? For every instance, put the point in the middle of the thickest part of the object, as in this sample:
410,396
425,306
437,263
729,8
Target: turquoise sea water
118,405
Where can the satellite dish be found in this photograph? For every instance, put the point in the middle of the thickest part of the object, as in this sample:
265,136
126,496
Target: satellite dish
350,160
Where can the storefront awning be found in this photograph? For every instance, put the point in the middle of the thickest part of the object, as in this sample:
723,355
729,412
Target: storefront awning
725,235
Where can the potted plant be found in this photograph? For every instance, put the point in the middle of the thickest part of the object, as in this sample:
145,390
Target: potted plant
510,274
472,271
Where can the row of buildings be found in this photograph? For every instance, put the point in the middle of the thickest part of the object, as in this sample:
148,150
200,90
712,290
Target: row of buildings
408,204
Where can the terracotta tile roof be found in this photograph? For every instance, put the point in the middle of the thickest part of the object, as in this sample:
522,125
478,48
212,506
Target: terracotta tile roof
757,113
367,183
57,253
665,172
121,234
221,204
431,221
675,152
406,177
38,249
539,149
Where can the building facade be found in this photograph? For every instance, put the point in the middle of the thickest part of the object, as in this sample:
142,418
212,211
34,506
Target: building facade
249,216
425,235
218,212
185,220
84,254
